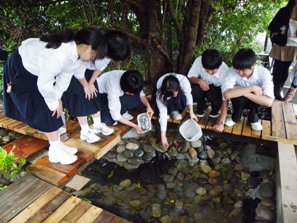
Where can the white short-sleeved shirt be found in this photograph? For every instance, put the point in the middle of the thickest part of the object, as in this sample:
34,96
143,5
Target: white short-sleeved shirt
292,37
261,77
99,64
198,71
186,88
54,67
109,83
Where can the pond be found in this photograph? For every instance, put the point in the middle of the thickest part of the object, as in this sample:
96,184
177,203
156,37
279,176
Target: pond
210,180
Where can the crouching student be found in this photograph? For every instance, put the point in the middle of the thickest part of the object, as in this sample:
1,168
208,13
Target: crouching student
81,100
172,96
119,92
248,85
206,75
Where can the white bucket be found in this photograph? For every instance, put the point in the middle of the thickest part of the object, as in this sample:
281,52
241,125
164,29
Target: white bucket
190,130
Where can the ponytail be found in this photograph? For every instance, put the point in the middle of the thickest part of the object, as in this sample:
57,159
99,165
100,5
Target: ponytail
55,40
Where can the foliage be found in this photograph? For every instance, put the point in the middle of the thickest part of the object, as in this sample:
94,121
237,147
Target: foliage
10,168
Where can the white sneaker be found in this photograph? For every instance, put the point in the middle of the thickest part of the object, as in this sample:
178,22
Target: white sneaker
214,116
229,122
127,116
176,115
256,126
89,137
62,130
69,149
104,129
58,155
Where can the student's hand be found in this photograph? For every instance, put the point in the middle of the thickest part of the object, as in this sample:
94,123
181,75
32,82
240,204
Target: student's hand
203,85
138,130
218,127
257,90
88,93
149,112
59,110
193,116
93,90
164,141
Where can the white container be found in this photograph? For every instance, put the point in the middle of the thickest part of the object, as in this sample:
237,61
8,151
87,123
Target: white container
190,130
144,122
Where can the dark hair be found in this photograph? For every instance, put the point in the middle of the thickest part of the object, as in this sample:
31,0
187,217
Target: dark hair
291,4
88,36
117,44
170,85
132,82
211,59
244,58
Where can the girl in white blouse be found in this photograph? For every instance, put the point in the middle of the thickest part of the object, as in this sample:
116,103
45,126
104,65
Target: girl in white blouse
37,74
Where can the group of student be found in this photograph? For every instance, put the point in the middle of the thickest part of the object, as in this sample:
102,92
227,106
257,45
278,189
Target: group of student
45,75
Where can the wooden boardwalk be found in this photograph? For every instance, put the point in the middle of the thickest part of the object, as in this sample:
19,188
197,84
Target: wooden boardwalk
32,200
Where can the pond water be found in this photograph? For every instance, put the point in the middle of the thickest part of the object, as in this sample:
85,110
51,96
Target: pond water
211,180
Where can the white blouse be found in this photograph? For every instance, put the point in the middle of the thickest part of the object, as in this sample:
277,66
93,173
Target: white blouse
54,67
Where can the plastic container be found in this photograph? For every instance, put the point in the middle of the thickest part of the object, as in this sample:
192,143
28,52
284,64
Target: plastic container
144,122
190,130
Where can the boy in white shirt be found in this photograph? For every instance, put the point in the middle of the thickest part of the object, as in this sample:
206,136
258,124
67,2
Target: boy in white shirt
248,85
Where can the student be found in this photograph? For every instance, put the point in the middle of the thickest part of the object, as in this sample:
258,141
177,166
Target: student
292,90
120,91
248,85
37,74
206,76
81,100
172,96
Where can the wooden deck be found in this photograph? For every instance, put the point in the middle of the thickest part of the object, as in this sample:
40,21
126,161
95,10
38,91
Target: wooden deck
32,200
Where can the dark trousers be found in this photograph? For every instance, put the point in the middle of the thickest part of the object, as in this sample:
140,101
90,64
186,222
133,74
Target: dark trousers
213,95
176,104
128,102
280,72
239,104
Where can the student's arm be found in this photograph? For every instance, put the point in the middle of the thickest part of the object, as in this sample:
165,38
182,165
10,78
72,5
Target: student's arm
92,87
219,126
131,124
241,91
203,84
146,103
260,99
163,121
192,114
85,85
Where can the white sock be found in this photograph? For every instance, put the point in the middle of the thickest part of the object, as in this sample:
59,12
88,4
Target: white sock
97,121
54,145
85,128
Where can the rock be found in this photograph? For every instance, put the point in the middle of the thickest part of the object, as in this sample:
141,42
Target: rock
263,214
266,190
135,161
203,155
125,183
135,204
6,138
226,161
156,210
166,219
121,157
3,132
170,185
189,190
193,153
148,148
129,153
196,144
180,176
205,168
179,204
253,182
212,181
234,213
267,202
244,176
172,151
121,149
238,204
129,166
216,191
213,173
211,153
111,154
238,167
132,146
168,178
138,153
201,191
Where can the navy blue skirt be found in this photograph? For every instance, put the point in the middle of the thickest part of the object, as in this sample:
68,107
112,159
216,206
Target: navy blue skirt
74,98
24,102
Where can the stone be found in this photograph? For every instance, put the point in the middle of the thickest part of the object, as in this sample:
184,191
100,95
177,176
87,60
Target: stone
168,178
263,214
121,157
138,153
125,183
205,168
196,144
184,147
267,202
201,191
135,204
216,191
244,176
238,204
166,219
211,153
213,173
235,212
156,210
148,148
193,153
129,153
203,155
135,161
132,146
121,149
266,190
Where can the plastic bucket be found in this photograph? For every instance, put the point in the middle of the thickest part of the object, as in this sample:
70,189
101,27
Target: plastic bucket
190,130
144,122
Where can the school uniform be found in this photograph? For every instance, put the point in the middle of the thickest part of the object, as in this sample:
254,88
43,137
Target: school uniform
214,94
74,98
261,77
113,100
172,104
38,77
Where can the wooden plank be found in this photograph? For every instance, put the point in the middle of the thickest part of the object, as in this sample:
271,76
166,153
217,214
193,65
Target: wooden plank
211,123
247,131
266,132
15,124
104,217
49,208
107,146
117,219
36,205
290,121
69,170
238,127
76,212
49,175
8,123
63,210
286,195
4,120
19,195
295,109
90,215
256,134
277,123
